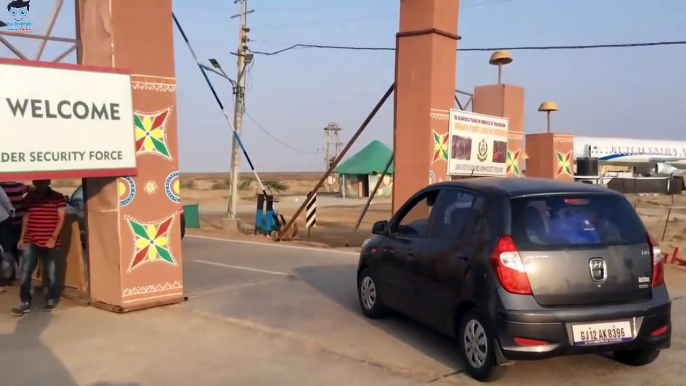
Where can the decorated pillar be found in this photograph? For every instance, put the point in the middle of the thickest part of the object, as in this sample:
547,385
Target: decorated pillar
551,155
133,222
425,89
505,100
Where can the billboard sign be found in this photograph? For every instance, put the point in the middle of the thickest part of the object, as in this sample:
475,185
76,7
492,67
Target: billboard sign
478,144
64,121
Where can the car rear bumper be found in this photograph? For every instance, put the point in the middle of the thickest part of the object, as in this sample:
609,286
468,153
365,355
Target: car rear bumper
552,331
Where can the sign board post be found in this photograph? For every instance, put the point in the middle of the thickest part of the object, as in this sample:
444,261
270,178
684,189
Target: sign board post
477,145
65,121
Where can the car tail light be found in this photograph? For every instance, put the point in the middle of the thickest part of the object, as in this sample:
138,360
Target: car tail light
529,342
658,264
660,331
509,267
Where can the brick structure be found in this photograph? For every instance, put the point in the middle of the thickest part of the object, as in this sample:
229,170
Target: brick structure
425,89
505,100
551,155
133,222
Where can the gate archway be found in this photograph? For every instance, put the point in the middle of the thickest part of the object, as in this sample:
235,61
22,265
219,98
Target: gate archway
133,234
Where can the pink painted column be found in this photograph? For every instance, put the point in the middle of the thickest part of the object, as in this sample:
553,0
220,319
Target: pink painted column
425,87
505,100
133,222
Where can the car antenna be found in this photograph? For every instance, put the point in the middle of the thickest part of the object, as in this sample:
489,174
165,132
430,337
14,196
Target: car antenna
472,175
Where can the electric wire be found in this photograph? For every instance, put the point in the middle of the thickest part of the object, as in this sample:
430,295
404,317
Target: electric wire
478,49
272,136
219,102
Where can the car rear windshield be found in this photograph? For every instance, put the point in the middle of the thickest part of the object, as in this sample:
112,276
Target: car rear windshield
575,220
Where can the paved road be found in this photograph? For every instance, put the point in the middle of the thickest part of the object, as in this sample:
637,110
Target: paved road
308,296
83,346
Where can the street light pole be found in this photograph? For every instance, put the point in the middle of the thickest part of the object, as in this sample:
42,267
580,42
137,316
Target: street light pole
243,59
217,69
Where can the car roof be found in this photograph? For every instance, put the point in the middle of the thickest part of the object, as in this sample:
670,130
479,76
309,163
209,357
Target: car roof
526,186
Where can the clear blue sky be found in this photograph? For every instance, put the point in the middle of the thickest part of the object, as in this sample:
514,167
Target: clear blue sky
611,92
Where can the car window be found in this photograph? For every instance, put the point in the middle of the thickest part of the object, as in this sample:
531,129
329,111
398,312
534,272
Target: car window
76,199
415,221
456,213
567,221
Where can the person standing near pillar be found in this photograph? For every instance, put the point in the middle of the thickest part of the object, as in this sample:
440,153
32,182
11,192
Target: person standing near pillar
41,226
16,191
6,259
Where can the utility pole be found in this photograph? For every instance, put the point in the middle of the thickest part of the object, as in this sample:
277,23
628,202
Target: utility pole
333,148
244,58
333,143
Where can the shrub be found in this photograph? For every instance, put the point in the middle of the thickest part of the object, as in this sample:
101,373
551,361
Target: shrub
187,184
245,184
221,184
276,186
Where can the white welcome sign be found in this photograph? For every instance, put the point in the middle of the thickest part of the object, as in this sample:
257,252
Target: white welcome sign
61,121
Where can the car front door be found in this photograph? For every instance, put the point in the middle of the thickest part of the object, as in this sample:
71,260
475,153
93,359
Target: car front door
407,233
454,233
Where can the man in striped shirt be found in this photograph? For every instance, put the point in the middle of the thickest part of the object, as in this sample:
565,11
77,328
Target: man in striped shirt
41,226
16,191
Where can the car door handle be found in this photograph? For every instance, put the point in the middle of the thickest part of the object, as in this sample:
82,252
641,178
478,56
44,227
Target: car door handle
409,255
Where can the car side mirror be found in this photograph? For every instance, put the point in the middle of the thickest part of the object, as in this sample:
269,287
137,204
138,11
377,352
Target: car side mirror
380,227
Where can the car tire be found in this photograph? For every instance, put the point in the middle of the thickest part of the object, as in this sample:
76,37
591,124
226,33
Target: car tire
183,226
477,348
639,357
369,296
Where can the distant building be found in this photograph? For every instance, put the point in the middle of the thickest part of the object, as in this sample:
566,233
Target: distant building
359,174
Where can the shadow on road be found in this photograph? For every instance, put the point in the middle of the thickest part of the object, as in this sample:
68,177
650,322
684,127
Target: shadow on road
340,285
26,360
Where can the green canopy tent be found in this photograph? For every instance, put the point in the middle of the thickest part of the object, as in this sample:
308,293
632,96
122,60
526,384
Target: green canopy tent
360,173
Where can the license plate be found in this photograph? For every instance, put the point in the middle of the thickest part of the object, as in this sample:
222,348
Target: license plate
602,333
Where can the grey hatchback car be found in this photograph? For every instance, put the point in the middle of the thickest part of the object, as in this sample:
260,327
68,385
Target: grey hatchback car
521,269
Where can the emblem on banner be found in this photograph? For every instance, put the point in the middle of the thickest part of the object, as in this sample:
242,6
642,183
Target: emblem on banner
482,152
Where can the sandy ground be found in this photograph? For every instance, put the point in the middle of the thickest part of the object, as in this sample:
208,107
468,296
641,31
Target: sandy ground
666,221
665,217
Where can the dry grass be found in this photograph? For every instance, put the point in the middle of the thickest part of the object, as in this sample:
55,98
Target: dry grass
282,184
296,183
335,224
201,187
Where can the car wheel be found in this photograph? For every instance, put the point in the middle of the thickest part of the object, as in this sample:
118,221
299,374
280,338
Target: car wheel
183,226
640,357
477,348
369,296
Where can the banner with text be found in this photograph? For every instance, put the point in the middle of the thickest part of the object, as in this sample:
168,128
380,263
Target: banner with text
64,122
478,144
